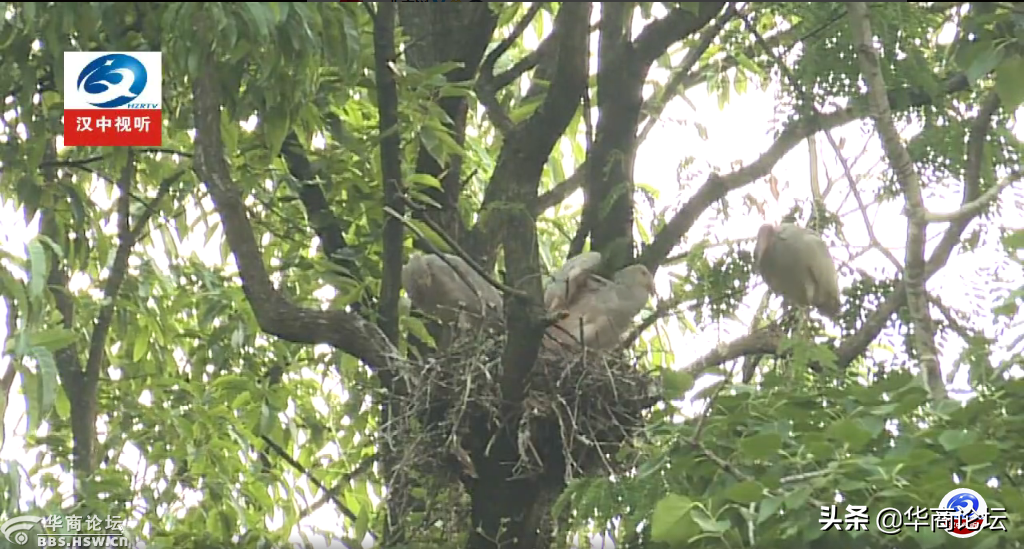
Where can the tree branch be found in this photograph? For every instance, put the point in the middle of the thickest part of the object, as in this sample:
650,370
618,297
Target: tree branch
654,106
716,187
274,313
390,169
529,146
512,194
902,165
659,35
485,86
975,207
855,345
327,227
561,190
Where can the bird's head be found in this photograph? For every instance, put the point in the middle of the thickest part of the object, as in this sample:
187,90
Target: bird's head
765,237
637,276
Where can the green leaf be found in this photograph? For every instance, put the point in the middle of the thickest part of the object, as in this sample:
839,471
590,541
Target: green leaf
929,538
424,179
362,524
275,124
37,269
1010,82
747,491
1014,240
798,498
675,384
46,381
984,63
418,330
769,508
141,344
707,523
53,339
850,432
951,440
978,454
761,446
671,522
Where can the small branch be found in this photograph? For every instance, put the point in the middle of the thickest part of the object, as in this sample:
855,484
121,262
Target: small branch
561,190
659,35
763,341
975,207
118,272
457,250
485,85
327,227
656,105
329,495
663,309
902,165
304,471
965,333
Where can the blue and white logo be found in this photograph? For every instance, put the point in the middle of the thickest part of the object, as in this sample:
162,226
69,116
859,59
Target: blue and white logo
112,81
969,510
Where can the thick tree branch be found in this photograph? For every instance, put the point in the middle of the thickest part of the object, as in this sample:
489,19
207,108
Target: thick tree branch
394,240
906,175
327,227
460,35
622,70
514,189
274,313
390,168
530,144
659,35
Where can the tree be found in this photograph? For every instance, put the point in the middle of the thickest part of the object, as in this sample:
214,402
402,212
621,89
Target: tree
332,139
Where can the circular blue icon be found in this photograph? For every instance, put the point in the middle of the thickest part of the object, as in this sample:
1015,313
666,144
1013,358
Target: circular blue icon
966,503
112,81
969,512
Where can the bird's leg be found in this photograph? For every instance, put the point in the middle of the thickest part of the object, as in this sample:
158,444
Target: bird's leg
803,324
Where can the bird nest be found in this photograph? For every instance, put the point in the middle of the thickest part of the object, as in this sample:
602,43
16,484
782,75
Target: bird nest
579,410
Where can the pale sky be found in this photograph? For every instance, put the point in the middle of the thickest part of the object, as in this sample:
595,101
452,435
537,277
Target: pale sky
739,133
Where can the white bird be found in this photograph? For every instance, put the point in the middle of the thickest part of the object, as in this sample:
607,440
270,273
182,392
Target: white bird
438,290
601,314
567,282
796,264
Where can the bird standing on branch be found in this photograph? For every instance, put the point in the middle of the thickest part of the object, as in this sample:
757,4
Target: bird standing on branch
451,295
600,314
796,264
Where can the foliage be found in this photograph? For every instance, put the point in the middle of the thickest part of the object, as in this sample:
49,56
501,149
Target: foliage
153,373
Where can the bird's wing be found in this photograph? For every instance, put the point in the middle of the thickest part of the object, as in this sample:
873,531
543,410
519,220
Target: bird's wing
488,294
567,281
822,269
